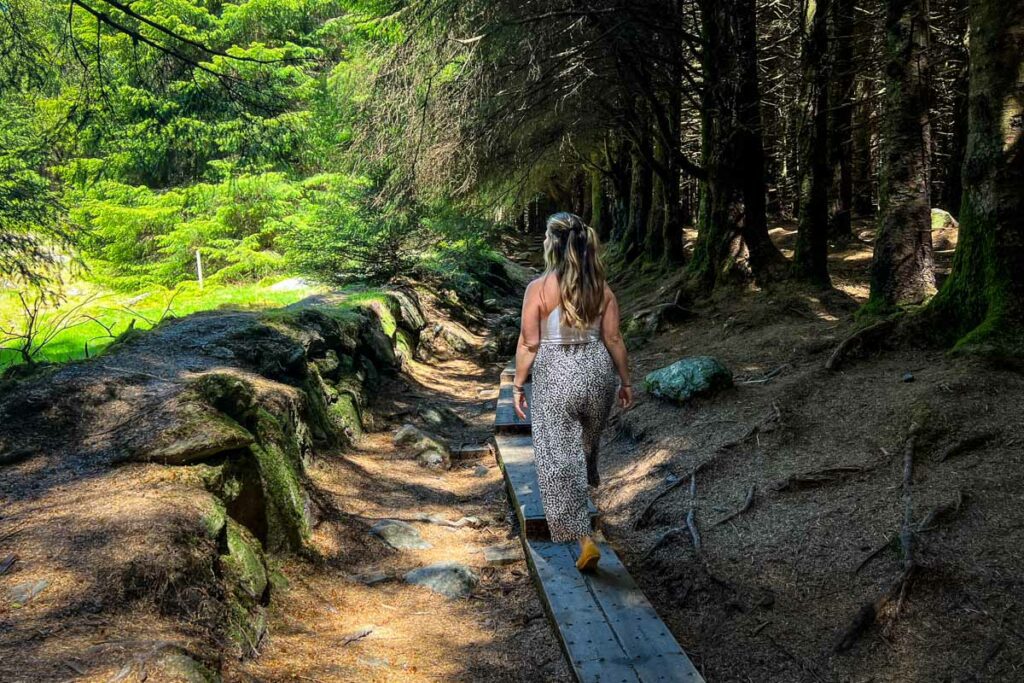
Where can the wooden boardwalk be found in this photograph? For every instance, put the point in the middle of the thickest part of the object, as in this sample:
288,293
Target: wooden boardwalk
607,628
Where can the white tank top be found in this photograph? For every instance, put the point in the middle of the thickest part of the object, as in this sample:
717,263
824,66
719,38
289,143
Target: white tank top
553,331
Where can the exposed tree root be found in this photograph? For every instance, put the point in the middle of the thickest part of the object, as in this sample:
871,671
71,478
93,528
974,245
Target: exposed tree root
747,503
965,445
691,523
937,515
809,480
767,423
896,593
660,541
862,341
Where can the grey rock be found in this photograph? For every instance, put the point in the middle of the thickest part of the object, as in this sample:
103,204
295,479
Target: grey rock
375,662
432,458
451,579
24,593
430,450
688,377
481,471
945,230
175,665
399,535
908,377
472,521
506,553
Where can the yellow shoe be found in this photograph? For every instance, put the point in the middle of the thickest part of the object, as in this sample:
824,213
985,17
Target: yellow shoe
589,555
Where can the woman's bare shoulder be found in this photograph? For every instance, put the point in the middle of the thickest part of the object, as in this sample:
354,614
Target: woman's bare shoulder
609,295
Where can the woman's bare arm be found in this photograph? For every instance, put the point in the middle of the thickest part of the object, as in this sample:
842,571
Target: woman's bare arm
529,342
612,337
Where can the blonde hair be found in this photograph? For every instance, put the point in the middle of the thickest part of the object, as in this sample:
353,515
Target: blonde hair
571,252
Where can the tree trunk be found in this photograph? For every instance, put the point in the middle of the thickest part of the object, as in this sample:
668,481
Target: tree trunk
733,232
597,218
621,177
841,125
810,257
901,271
639,201
654,247
981,304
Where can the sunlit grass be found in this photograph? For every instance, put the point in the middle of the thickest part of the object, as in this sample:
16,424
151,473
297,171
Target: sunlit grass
115,311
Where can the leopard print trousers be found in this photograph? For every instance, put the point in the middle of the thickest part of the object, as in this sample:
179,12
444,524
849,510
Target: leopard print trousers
573,391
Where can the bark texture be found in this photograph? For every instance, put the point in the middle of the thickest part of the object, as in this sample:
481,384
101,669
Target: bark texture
902,271
981,304
810,258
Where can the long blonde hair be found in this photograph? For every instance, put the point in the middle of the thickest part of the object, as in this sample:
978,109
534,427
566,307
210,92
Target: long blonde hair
571,252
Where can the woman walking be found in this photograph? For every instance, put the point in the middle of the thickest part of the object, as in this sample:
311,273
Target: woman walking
570,337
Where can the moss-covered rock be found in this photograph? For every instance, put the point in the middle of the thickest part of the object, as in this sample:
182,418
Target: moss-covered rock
345,415
244,572
688,377
196,432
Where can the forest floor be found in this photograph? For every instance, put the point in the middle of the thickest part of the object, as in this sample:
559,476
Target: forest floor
770,590
331,626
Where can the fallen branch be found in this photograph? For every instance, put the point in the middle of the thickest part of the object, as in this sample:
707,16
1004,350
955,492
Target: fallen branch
746,506
937,514
861,340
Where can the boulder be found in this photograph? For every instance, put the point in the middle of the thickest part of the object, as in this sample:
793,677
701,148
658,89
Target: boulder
428,449
399,535
688,377
945,230
409,309
196,432
450,579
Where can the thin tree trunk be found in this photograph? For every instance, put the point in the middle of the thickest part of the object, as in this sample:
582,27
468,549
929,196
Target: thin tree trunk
981,304
654,246
810,257
902,271
597,218
621,177
841,125
639,201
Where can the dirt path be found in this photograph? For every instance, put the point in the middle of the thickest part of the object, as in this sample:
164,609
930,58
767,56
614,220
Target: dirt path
331,625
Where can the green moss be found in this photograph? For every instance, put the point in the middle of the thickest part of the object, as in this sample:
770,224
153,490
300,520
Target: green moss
214,519
244,572
385,307
404,343
873,310
344,413
243,565
280,469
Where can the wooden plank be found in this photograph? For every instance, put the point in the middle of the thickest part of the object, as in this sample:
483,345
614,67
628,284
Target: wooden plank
608,630
588,641
505,419
651,648
516,458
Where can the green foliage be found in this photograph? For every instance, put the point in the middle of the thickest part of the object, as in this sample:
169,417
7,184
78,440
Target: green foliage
177,128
